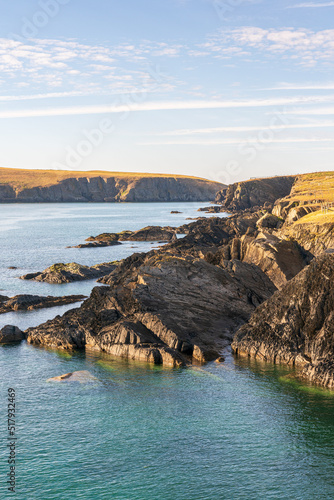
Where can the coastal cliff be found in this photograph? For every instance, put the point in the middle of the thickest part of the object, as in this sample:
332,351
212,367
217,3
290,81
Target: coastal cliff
255,192
33,186
295,326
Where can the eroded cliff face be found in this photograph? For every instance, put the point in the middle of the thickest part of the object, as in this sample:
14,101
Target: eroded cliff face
256,192
114,189
295,326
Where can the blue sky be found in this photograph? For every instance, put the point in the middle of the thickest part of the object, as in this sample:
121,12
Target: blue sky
223,89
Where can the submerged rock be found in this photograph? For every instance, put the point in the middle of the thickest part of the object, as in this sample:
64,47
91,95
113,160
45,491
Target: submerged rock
82,376
10,333
295,326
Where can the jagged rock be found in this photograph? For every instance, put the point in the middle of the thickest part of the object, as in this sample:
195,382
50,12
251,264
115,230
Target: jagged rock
10,333
255,192
29,302
66,273
314,238
160,309
295,326
149,233
269,221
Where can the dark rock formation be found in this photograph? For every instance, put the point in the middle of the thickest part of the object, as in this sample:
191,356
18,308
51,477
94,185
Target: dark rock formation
255,192
149,233
10,334
314,238
161,309
66,273
29,302
295,326
269,221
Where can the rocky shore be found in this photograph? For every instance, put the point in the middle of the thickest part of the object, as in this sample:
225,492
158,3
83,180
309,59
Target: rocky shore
257,279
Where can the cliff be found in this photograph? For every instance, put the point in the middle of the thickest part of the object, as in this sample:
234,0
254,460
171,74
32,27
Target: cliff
308,194
295,326
35,186
255,192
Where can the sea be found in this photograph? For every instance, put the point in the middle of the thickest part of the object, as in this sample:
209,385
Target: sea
240,430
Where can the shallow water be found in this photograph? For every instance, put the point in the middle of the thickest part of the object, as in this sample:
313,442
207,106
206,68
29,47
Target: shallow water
237,430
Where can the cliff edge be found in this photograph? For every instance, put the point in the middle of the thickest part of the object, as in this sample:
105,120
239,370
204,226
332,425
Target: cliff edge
53,186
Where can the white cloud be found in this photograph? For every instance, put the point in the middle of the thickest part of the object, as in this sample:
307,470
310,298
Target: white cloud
301,45
164,106
297,86
221,142
218,130
312,111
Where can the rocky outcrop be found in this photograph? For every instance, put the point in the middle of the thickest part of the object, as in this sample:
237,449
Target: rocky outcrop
66,273
255,192
314,238
58,186
295,326
308,193
161,309
10,334
30,302
149,233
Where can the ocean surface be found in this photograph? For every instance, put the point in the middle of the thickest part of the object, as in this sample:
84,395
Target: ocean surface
236,430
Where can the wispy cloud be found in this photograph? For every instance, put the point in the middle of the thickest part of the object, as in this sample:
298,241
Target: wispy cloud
221,142
298,86
165,106
312,111
218,130
311,5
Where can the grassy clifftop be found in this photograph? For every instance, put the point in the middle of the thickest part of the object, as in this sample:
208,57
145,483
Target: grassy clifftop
54,186
26,179
311,187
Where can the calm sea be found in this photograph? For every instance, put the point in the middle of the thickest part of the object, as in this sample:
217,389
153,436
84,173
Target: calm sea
239,430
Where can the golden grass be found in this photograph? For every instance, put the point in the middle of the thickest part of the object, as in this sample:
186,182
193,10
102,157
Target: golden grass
24,178
311,187
317,217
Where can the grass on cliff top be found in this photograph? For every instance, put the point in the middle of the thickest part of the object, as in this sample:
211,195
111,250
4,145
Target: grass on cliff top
317,217
24,178
311,187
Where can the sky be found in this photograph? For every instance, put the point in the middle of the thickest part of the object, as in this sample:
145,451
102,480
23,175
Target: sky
221,89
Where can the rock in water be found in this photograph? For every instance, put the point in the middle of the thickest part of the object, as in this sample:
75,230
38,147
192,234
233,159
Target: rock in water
82,376
296,325
66,273
161,309
10,333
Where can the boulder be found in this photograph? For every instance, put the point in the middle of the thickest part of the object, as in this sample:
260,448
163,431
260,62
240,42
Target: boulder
10,333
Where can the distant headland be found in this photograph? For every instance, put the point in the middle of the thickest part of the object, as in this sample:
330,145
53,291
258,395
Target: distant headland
53,186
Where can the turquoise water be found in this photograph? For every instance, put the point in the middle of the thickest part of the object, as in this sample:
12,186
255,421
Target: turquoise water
236,430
